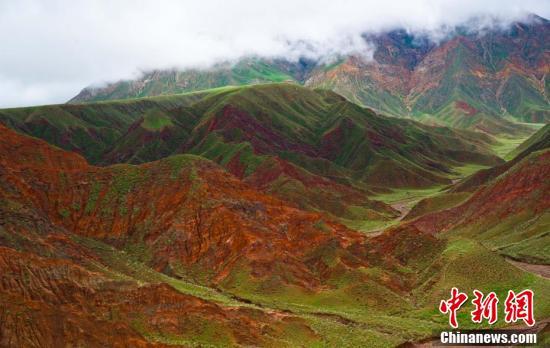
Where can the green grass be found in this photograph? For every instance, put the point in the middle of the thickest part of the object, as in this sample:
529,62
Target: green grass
215,149
370,327
468,265
198,332
523,236
507,145
405,198
351,296
410,195
367,226
156,121
538,140
468,169
244,72
437,203
336,334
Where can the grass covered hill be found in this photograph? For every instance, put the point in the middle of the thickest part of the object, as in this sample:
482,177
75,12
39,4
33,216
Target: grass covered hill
506,207
165,82
310,147
469,80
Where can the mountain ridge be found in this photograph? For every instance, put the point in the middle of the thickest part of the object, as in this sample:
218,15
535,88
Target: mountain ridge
311,147
467,81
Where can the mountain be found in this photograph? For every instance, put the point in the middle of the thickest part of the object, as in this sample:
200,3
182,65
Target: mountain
180,252
482,236
178,211
474,80
506,207
133,248
310,147
59,286
208,208
165,82
467,79
509,214
538,141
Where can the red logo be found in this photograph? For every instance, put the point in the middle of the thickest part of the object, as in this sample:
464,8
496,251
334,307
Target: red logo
519,306
485,308
452,305
516,307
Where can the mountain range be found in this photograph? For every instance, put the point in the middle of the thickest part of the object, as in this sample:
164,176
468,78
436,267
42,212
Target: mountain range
277,203
311,147
179,251
471,79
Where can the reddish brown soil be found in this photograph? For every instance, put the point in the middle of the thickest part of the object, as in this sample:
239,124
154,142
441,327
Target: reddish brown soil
194,214
47,302
467,108
523,187
213,220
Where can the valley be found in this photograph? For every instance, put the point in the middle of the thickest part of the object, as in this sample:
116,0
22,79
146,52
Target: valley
380,274
271,201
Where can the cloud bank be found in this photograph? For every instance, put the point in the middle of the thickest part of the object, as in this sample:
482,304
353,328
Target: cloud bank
52,49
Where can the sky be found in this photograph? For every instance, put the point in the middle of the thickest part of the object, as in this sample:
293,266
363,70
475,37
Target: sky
51,49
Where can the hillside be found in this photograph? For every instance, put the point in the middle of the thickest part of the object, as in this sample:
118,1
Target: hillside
165,82
468,81
538,141
180,252
135,246
507,209
301,175
312,148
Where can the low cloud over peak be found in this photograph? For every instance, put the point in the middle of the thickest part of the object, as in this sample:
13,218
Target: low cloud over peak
51,49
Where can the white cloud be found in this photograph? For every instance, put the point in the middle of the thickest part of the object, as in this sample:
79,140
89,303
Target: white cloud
53,48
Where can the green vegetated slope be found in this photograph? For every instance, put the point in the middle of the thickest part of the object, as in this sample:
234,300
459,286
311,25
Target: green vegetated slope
539,140
505,207
310,147
506,215
472,177
90,129
165,82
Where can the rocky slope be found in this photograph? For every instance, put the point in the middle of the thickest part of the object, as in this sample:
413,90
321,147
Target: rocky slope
184,217
464,81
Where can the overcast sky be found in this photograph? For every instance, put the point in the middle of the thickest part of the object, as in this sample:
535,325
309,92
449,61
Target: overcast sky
51,49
